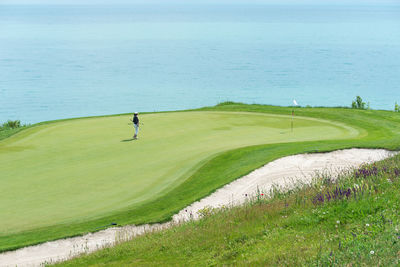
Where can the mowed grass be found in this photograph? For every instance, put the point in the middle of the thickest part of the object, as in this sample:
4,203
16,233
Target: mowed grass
69,177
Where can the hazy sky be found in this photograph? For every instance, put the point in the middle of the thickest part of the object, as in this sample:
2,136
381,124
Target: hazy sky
85,2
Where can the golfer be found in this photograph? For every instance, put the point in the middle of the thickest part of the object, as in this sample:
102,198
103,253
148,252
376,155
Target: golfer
135,121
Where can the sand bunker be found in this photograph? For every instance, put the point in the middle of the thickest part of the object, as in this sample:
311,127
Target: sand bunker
282,172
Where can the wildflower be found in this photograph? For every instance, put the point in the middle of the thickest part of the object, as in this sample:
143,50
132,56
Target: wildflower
372,252
367,224
338,222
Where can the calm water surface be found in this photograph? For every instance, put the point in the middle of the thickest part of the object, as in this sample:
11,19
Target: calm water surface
69,61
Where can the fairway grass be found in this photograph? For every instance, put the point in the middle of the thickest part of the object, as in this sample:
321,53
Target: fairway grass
77,170
69,177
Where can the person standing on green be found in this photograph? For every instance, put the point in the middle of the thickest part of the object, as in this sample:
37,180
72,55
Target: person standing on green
135,121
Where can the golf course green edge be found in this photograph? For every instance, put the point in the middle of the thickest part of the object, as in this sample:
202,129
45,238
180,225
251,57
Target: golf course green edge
380,129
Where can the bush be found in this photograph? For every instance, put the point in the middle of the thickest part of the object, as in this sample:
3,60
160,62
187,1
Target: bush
396,107
11,125
358,103
225,103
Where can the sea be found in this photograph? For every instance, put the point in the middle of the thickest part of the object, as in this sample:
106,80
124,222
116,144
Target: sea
75,59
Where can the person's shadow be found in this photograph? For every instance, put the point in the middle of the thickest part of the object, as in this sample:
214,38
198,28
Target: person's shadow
127,140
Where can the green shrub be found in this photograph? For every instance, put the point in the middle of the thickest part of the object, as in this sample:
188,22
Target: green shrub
396,107
358,103
11,125
225,103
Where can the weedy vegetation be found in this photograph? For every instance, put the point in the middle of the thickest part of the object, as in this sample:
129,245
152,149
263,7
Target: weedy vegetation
352,220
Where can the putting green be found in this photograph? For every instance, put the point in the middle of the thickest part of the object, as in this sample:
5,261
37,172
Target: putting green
76,170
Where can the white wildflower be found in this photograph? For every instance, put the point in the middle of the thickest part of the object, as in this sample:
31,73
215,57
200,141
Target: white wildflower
372,252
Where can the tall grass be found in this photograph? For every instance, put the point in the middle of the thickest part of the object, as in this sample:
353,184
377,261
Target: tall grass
350,221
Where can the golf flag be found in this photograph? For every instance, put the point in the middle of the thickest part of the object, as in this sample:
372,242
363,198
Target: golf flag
295,102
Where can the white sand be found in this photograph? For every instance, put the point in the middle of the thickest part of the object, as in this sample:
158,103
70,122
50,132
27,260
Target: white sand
282,172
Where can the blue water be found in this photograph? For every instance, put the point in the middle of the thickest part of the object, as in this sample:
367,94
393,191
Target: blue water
62,61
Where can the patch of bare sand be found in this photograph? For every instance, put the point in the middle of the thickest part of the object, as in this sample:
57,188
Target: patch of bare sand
282,172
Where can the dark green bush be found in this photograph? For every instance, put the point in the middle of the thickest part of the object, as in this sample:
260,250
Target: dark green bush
11,125
358,103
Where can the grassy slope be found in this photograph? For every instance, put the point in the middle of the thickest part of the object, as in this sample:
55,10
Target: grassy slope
382,128
359,228
5,133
